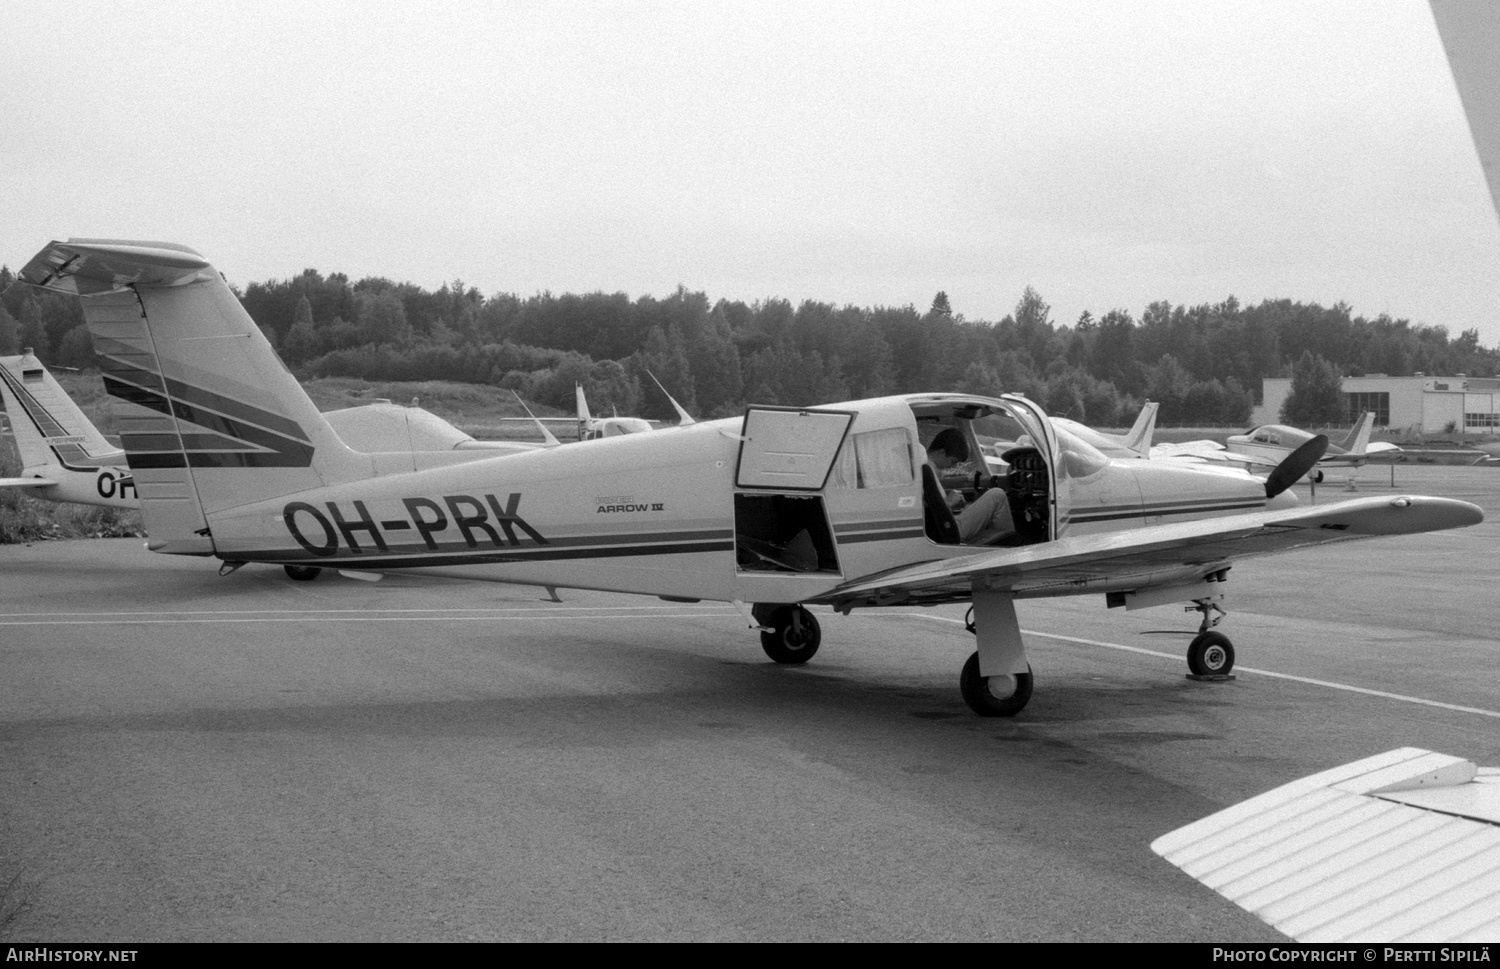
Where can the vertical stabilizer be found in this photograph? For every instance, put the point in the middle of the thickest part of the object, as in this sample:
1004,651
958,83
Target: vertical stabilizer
1471,39
204,397
49,428
585,419
683,417
1358,440
1139,438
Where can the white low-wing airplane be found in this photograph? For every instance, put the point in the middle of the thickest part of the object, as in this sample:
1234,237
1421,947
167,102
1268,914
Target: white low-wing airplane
1263,448
63,455
1134,443
781,508
591,428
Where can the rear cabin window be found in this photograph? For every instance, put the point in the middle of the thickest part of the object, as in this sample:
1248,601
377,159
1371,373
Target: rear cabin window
874,459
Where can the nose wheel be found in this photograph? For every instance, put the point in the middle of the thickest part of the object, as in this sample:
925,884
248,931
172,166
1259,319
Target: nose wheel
1210,654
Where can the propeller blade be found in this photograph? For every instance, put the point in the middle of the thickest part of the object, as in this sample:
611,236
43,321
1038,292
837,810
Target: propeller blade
1295,465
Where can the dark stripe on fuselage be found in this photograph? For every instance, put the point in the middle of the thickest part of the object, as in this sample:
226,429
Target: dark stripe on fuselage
442,557
878,532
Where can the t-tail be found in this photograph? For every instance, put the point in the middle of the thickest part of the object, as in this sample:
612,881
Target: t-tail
203,396
1358,439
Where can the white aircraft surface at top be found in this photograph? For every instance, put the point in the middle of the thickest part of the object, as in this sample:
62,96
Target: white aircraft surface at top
784,507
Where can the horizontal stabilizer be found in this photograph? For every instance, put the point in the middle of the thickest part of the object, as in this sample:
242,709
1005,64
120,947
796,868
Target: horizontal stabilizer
1400,847
26,482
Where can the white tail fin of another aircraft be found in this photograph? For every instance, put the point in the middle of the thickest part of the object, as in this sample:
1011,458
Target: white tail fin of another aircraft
683,417
1358,440
584,417
1139,438
203,394
548,438
51,431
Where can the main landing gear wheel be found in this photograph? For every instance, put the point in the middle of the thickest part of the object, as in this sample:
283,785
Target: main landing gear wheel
994,696
794,635
1210,654
302,573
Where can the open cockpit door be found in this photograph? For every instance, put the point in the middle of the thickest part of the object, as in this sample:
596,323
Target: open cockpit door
1034,468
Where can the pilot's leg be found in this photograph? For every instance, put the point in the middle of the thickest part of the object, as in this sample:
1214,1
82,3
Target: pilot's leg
990,510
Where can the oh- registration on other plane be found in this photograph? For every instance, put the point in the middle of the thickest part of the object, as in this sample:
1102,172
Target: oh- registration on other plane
780,509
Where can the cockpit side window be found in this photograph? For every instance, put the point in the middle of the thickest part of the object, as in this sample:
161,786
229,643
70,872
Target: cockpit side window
874,459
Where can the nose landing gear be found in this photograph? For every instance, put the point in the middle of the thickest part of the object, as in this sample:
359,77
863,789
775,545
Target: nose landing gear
1210,655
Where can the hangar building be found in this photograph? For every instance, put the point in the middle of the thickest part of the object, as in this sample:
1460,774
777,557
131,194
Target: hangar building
1434,405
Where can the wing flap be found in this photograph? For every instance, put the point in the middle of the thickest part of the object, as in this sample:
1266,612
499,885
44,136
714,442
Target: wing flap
1154,555
1349,854
26,482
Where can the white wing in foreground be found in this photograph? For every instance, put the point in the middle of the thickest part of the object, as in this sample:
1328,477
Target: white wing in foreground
1400,847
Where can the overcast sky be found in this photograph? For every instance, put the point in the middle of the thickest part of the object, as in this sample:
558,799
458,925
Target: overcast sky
1108,154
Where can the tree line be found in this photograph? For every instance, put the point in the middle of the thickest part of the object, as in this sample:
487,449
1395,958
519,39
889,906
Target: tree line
1203,364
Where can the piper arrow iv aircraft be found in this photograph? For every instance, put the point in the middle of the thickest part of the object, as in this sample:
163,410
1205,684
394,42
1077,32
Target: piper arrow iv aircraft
1263,448
780,509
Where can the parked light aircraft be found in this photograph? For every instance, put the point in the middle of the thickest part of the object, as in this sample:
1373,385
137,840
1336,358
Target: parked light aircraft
1135,443
782,508
1263,448
63,455
591,428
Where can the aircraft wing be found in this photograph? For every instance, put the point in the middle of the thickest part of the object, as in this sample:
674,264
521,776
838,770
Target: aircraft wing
1400,847
26,482
1151,556
1211,451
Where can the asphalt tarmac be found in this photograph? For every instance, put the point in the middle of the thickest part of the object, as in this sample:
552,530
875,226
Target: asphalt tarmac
185,756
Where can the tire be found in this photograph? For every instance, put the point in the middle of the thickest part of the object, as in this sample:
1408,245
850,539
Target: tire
784,644
976,691
1210,654
302,573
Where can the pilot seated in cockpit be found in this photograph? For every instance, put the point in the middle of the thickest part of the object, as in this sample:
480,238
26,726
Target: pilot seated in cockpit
989,513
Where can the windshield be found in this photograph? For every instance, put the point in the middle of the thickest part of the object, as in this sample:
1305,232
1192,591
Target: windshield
1079,459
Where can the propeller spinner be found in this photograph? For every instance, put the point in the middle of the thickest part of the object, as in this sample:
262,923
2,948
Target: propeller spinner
1295,465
